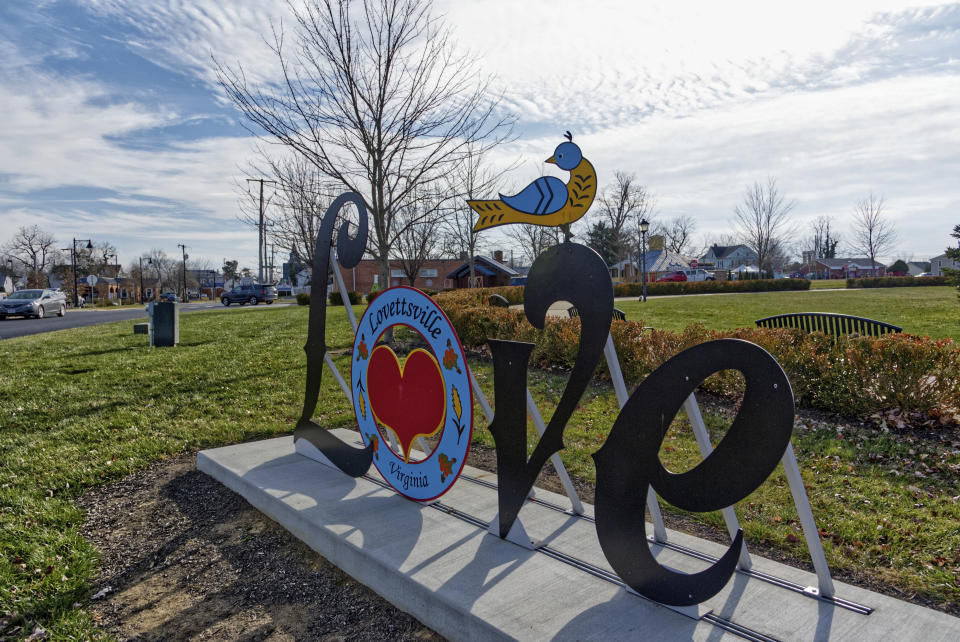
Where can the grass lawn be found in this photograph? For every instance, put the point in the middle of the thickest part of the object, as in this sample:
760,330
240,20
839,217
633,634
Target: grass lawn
86,406
828,284
933,310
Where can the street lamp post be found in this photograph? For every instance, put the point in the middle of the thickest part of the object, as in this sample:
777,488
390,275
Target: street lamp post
644,226
183,248
116,277
141,278
73,260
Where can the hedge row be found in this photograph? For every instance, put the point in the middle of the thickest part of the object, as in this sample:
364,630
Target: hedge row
336,298
897,281
704,287
479,296
514,294
851,377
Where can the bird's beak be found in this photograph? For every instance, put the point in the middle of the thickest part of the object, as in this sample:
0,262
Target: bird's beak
551,160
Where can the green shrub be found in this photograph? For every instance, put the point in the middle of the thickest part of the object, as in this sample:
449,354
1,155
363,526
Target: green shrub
706,287
897,281
852,376
373,295
480,296
303,298
337,299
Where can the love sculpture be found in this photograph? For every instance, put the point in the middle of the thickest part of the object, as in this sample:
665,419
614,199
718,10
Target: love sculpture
429,395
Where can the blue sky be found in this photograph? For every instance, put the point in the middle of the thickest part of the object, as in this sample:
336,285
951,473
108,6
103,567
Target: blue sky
114,129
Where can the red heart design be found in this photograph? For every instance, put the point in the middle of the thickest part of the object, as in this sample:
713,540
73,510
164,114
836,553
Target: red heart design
410,399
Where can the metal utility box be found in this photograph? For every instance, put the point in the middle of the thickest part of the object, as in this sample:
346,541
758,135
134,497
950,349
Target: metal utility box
165,324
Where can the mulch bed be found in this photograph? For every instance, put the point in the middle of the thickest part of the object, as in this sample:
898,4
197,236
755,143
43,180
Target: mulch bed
183,557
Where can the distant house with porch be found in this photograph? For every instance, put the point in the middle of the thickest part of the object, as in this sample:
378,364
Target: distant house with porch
727,257
487,273
662,262
853,268
658,263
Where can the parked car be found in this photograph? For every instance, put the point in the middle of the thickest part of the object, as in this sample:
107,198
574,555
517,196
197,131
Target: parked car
698,274
925,274
252,294
34,303
677,275
169,296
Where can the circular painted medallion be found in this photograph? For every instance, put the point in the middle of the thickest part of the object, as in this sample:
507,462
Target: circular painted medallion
423,397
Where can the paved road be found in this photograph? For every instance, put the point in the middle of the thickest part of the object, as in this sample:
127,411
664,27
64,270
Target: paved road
18,327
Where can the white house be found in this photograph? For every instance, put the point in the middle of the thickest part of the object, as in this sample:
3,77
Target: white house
914,268
937,264
726,257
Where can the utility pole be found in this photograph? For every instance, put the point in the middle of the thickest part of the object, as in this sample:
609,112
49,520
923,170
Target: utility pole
183,248
262,245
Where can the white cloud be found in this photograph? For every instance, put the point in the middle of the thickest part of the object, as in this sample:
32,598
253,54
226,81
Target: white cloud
183,35
699,99
57,132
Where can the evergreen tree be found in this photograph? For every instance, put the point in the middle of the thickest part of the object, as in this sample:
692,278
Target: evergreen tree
605,240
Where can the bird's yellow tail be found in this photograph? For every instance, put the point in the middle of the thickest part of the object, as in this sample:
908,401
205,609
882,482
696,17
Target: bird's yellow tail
492,213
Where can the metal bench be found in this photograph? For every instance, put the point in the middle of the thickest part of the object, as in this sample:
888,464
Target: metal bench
498,301
828,323
618,314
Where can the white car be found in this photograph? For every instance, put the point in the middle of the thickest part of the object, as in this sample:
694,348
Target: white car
698,274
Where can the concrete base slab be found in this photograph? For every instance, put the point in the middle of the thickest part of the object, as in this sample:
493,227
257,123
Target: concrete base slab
438,563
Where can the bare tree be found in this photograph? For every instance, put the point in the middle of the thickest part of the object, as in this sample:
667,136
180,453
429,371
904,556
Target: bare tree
297,205
873,233
162,268
381,102
678,234
825,239
533,240
103,258
472,178
419,238
622,204
763,220
780,255
35,251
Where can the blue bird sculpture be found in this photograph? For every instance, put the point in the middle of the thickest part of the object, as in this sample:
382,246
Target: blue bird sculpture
547,200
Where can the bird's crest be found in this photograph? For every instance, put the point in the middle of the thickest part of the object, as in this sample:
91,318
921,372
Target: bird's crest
568,135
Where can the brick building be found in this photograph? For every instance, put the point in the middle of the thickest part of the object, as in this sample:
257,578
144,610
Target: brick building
432,275
847,268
